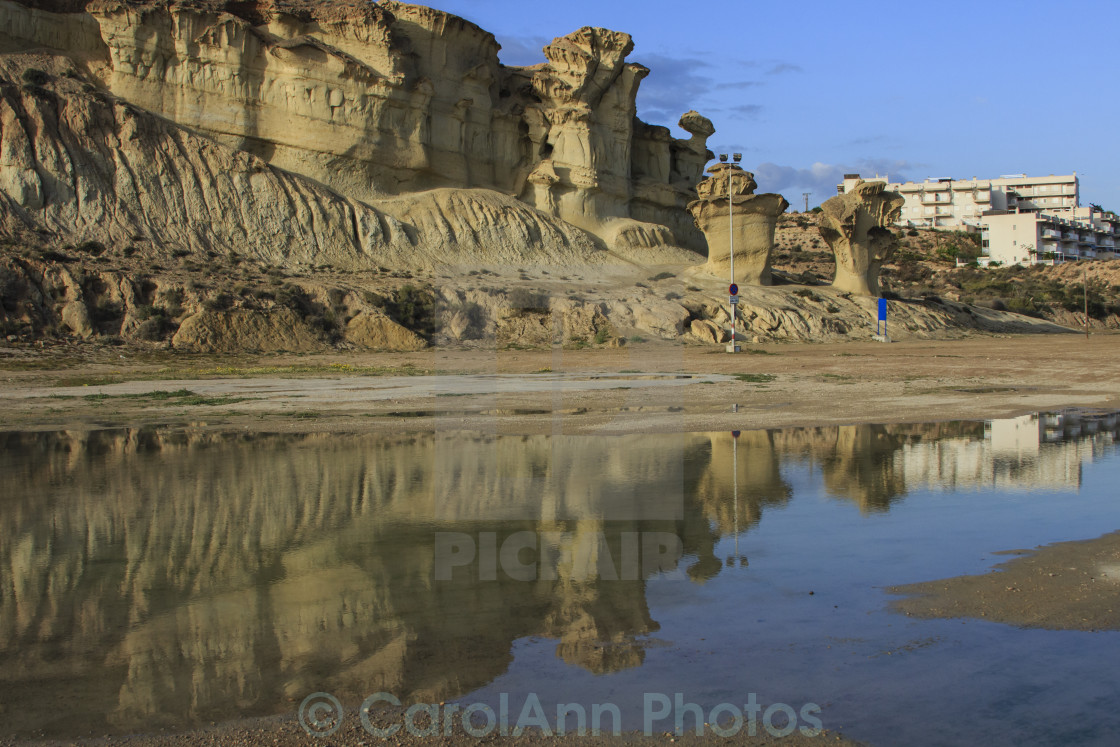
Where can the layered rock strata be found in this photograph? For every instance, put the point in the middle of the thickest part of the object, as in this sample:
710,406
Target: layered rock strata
856,225
390,99
729,209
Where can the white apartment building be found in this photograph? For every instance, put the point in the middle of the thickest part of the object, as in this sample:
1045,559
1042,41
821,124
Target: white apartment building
1040,238
959,204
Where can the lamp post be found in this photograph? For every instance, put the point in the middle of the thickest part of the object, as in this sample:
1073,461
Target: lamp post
737,157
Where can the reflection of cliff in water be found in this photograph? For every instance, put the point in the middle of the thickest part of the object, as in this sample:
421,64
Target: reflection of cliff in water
157,577
172,577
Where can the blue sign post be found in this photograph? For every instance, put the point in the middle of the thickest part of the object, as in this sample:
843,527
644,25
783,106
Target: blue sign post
882,318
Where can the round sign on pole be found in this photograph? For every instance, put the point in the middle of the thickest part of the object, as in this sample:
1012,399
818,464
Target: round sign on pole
734,289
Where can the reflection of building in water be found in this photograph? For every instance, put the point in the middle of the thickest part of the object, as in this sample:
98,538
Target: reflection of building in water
858,462
1023,453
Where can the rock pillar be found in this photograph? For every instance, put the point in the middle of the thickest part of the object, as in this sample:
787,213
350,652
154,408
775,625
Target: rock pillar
856,225
753,218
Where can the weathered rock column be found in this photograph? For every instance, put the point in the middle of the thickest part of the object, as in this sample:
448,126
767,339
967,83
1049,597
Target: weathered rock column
754,218
856,225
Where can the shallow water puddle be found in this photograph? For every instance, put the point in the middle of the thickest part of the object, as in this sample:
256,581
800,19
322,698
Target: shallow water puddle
168,578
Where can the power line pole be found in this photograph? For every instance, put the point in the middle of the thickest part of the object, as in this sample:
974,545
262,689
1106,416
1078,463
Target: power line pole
806,196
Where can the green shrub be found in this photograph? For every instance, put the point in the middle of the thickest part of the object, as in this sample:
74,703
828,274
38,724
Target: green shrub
33,76
525,299
92,248
105,312
221,302
414,308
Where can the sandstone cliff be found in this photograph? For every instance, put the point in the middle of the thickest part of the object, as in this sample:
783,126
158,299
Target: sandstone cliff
369,102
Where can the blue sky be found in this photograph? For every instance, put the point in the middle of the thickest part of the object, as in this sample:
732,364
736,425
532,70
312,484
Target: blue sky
810,90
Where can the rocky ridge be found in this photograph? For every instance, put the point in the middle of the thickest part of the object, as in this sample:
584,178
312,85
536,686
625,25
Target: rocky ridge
151,192
383,100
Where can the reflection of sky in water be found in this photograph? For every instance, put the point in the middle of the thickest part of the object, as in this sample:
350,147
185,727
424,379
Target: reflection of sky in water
154,578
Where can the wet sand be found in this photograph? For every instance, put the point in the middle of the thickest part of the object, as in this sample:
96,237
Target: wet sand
549,391
1065,586
286,732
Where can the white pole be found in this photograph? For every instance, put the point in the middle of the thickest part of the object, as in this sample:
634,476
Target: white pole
735,482
731,249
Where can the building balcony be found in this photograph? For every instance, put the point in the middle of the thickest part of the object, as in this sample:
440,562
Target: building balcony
982,196
935,199
1106,242
1050,233
1086,238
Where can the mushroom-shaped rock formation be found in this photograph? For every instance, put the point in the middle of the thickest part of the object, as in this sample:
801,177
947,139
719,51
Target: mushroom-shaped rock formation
753,218
856,225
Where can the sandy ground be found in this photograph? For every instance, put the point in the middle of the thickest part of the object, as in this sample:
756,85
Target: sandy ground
581,391
641,387
286,732
1065,586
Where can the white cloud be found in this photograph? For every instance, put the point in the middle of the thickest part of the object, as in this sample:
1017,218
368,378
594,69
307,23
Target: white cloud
821,178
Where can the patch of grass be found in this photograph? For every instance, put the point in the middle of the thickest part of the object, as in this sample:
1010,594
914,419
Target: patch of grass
637,338
306,415
346,368
223,399
602,335
754,378
544,370
224,371
177,397
88,380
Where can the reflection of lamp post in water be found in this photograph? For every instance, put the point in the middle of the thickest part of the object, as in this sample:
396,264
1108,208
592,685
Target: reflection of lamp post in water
735,494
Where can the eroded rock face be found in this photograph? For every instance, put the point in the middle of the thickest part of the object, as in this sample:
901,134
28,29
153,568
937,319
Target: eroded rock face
389,99
856,226
239,331
753,219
